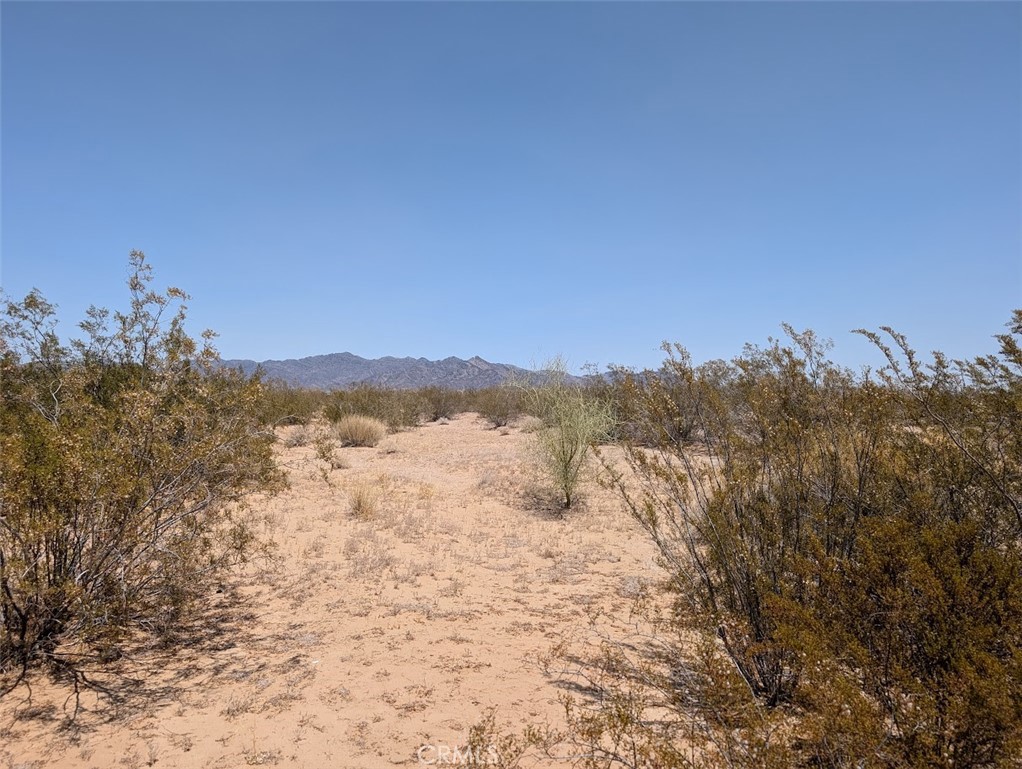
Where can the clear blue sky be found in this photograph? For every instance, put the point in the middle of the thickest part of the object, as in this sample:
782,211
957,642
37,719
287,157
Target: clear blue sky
518,180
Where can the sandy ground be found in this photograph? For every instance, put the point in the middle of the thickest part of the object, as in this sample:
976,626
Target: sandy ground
362,643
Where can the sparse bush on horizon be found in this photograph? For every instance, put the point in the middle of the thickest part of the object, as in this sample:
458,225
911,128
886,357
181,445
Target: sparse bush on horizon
282,404
499,406
441,402
122,455
398,409
359,430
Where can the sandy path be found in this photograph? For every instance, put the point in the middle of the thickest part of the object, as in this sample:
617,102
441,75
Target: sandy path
362,641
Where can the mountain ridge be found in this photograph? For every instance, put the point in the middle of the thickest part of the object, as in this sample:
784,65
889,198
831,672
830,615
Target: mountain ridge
340,370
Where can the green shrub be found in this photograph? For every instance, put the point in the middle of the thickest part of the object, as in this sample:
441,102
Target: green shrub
677,419
398,409
573,421
441,403
359,430
120,457
282,404
498,405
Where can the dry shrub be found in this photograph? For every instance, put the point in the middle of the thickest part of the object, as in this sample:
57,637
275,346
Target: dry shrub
844,555
363,501
441,403
498,405
368,554
120,456
326,449
296,436
398,409
281,404
359,430
529,424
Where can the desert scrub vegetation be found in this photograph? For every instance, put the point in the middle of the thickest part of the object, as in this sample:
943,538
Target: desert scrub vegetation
573,420
679,404
363,501
843,554
281,404
397,409
441,402
122,455
499,406
359,430
298,435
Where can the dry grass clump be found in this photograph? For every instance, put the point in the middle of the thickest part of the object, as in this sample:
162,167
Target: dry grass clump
363,501
359,430
296,436
529,424
368,554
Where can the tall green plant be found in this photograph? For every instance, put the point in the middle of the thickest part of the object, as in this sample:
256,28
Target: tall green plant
573,421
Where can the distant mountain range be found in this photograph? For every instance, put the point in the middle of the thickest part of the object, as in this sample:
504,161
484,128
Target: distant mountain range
341,370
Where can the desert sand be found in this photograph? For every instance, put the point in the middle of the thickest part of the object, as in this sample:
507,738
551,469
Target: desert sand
361,643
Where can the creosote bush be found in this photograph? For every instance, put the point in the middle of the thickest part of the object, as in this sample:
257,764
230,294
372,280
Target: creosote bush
397,409
282,404
844,555
441,403
358,430
498,405
846,546
122,455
